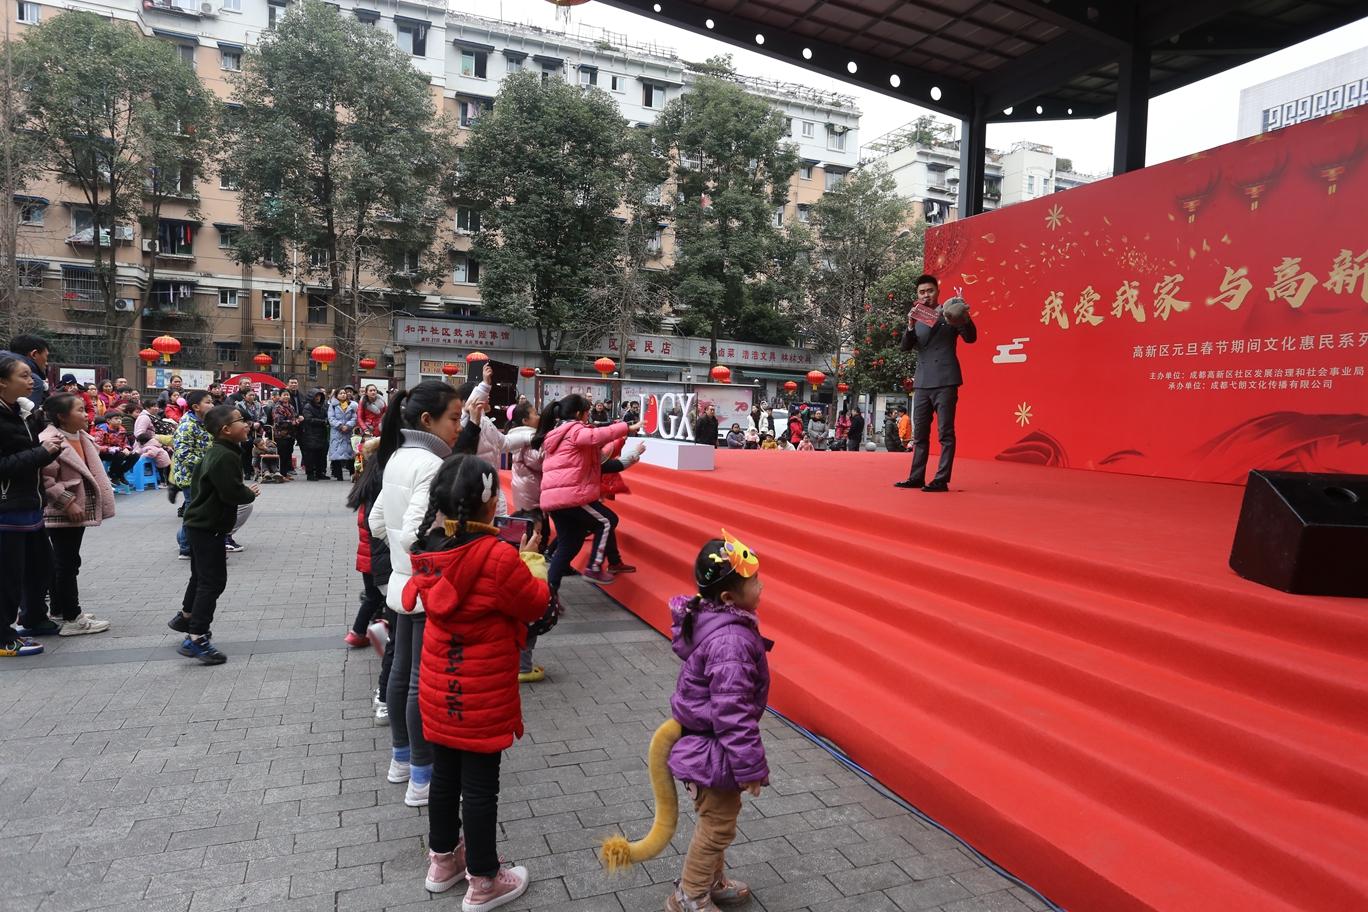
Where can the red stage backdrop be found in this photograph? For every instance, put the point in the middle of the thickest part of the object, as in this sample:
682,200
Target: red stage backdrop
1196,319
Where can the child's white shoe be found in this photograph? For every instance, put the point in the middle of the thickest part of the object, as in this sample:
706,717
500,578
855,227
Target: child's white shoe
487,893
398,771
417,795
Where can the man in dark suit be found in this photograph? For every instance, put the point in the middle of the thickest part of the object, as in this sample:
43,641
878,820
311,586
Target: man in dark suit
937,384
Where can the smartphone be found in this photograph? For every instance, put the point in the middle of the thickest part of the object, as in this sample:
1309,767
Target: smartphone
513,529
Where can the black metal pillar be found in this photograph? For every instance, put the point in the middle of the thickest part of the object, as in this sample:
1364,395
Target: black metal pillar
973,149
1132,109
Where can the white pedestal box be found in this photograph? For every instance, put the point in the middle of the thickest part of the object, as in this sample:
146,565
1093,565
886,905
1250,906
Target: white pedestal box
678,454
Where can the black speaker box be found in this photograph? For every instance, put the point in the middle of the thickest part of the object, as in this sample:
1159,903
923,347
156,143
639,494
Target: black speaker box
1304,533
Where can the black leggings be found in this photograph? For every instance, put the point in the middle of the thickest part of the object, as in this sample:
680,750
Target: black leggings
465,783
315,460
25,572
372,603
64,596
208,578
572,526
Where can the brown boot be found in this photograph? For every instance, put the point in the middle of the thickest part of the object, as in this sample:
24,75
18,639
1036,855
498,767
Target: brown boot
678,902
729,892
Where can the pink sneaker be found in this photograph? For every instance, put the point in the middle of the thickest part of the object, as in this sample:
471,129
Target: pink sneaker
355,640
487,893
446,869
602,577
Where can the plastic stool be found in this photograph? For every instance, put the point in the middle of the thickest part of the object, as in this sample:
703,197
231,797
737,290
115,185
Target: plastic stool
143,475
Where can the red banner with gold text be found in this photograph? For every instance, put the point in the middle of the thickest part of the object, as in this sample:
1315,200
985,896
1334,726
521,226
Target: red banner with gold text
1196,319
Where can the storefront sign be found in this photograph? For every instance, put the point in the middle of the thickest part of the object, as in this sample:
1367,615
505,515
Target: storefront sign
453,333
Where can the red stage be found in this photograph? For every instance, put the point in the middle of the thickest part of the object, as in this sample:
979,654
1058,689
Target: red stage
1058,665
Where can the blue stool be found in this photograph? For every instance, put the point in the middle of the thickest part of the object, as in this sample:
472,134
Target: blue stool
143,475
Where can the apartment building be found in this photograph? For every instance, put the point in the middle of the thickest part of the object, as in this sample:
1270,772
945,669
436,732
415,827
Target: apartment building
226,313
923,160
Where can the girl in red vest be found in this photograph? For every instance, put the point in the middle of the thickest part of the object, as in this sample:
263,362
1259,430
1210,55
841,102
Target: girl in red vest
480,594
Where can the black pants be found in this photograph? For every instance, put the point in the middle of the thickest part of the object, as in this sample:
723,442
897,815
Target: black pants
941,400
572,526
25,571
285,445
372,603
315,460
465,783
387,662
119,463
208,578
339,464
247,458
66,566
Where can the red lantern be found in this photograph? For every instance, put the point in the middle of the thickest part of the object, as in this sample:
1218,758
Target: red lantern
262,360
816,378
476,356
450,370
527,373
367,364
843,388
324,355
148,355
908,386
605,366
721,373
166,346
790,387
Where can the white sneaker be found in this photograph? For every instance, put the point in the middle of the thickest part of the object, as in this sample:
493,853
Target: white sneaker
382,714
417,795
86,623
398,771
487,893
375,699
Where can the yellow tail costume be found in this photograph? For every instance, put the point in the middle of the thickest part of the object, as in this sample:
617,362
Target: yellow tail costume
618,853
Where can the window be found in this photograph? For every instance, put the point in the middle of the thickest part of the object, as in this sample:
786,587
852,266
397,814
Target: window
78,284
788,126
228,297
367,17
777,219
187,53
467,220
31,212
834,178
1030,185
836,139
83,229
29,12
175,238
652,95
474,64
31,273
274,10
232,6
618,83
412,37
549,71
470,111
230,59
318,258
411,263
226,351
318,309
513,63
804,213
185,181
229,235
465,271
654,242
172,297
588,76
270,305
809,129
805,171
228,181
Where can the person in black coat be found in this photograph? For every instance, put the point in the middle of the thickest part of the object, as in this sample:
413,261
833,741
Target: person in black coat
857,428
34,351
313,435
25,553
705,427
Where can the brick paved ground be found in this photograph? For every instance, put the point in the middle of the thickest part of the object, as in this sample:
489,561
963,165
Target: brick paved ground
133,779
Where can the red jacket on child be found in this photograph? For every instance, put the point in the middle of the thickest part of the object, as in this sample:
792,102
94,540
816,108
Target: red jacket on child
479,598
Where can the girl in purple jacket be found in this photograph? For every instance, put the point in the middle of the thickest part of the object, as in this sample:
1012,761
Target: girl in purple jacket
713,740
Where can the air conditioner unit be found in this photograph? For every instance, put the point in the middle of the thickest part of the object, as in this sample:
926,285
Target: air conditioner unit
124,305
207,9
149,245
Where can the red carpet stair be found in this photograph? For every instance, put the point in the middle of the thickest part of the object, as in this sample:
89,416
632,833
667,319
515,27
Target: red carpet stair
1119,738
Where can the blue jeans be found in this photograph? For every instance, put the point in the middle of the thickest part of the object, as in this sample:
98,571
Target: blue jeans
188,494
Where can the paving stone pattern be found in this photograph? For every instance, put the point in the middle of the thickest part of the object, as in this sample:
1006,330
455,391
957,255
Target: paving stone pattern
132,778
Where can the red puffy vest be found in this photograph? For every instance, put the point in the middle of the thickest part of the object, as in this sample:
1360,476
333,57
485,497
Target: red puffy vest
479,599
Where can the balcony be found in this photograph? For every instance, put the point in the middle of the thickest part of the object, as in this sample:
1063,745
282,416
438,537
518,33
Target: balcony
195,9
85,237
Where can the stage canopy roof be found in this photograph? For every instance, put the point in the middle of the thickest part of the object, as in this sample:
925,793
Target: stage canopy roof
1043,59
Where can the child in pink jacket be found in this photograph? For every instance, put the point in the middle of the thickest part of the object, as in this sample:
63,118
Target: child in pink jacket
572,484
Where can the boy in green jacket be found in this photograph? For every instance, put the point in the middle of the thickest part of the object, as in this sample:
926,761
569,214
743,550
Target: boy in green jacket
209,516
